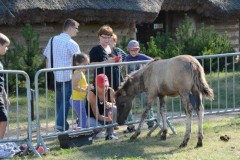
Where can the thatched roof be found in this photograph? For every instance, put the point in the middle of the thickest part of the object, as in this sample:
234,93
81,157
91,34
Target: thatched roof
85,11
209,8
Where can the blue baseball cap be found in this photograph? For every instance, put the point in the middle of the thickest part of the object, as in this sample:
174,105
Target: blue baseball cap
133,44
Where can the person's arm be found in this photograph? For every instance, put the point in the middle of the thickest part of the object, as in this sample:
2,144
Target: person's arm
46,53
111,102
146,57
77,76
5,98
92,100
95,57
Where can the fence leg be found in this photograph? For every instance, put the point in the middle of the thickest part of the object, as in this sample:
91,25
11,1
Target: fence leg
33,149
171,127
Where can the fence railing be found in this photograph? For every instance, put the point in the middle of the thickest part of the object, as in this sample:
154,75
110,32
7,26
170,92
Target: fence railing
19,123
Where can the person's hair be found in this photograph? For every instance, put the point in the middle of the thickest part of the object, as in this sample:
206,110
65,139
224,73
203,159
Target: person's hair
80,58
106,30
4,39
70,23
114,37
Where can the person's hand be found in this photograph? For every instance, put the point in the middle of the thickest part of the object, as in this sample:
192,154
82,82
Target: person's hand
111,60
7,103
110,116
108,105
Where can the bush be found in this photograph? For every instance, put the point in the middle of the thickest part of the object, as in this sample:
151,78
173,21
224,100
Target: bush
27,57
187,40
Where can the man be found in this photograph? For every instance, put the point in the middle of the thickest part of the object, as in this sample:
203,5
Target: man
4,101
63,49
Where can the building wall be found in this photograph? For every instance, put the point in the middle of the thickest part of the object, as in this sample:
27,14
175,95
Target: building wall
231,27
87,36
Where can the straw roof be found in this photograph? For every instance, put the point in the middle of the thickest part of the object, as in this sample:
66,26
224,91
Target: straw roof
85,11
210,8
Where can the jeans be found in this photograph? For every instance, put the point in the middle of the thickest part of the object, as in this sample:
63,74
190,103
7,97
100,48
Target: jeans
94,123
64,91
79,108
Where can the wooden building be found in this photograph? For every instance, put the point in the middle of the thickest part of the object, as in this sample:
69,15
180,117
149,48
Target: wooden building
47,17
222,14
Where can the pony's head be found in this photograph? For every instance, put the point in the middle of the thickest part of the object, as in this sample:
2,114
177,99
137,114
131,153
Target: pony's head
124,105
124,97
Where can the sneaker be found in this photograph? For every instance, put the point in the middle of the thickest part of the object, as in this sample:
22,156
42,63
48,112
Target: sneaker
130,130
111,137
101,135
77,128
116,128
150,127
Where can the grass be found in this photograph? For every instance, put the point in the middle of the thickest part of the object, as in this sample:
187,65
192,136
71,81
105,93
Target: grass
152,148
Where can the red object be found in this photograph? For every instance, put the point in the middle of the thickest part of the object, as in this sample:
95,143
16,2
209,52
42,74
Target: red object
101,80
117,58
40,149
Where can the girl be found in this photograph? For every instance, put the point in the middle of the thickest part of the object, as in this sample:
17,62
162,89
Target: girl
80,88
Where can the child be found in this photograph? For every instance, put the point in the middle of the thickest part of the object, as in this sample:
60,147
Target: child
80,88
133,49
4,101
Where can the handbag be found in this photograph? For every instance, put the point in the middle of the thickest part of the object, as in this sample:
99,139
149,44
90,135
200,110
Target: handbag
75,139
50,75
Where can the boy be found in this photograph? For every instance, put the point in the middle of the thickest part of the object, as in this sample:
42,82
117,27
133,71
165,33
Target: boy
4,101
133,49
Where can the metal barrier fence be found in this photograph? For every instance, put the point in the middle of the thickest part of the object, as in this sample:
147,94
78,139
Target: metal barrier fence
19,124
222,74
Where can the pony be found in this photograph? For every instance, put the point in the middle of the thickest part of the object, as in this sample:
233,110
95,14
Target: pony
179,75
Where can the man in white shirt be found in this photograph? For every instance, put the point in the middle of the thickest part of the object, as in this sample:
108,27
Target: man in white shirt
63,49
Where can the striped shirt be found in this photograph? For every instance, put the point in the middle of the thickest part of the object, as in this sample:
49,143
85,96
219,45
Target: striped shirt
64,47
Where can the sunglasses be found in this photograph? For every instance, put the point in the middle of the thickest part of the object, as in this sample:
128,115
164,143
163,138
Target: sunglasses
106,37
133,50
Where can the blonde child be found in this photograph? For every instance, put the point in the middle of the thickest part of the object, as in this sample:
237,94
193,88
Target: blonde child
4,101
80,88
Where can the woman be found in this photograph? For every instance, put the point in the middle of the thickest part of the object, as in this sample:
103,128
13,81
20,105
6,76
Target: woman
103,53
100,106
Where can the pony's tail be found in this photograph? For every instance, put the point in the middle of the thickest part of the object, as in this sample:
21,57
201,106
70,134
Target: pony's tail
201,83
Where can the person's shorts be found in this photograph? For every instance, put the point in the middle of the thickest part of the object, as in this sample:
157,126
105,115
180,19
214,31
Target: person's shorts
3,114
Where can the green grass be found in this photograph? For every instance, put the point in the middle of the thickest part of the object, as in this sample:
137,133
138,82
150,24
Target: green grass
153,148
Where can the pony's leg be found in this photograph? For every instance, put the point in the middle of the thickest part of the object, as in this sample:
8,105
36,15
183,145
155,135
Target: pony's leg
144,115
200,114
188,110
163,115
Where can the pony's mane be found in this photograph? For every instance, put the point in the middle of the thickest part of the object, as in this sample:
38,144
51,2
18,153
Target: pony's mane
154,60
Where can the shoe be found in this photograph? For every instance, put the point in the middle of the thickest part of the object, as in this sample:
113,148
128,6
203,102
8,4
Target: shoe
101,135
77,128
130,130
116,128
111,137
150,127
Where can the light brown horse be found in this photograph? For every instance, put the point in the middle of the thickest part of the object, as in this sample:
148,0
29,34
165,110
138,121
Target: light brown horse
170,77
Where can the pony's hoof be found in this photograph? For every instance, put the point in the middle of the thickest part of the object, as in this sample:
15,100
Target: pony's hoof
183,145
199,145
132,138
163,137
135,135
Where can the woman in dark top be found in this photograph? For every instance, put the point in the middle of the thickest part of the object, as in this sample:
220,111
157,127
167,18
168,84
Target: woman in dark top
100,106
103,53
